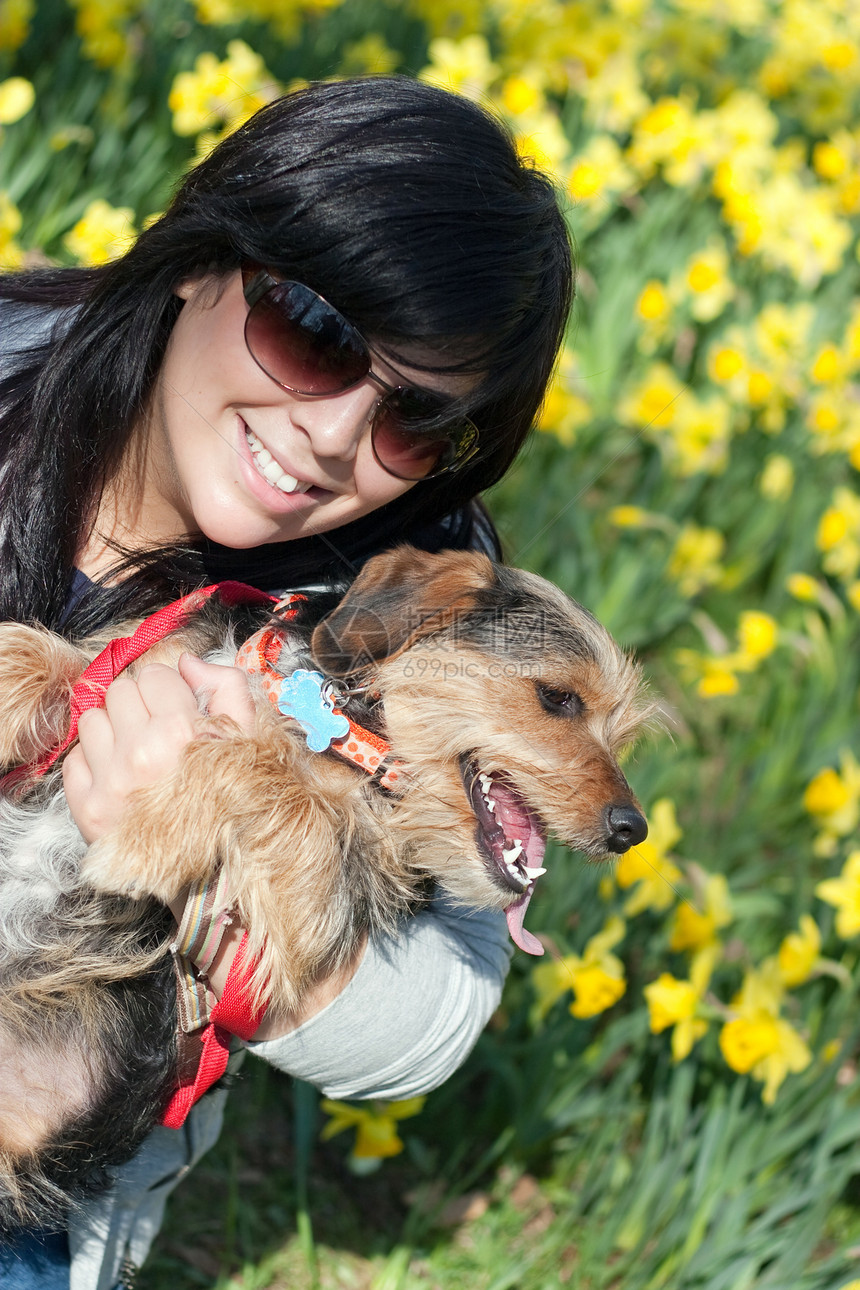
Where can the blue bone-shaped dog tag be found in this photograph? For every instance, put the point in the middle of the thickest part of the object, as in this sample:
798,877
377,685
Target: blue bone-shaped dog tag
301,697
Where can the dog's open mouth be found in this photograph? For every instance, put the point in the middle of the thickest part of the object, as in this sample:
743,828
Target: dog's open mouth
511,839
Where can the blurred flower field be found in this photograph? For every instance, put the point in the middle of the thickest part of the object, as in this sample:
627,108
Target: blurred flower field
678,1076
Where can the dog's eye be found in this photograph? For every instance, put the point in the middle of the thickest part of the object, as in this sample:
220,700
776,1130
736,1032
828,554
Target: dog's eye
560,702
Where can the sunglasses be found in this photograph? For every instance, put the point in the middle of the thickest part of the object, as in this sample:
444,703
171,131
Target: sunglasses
307,347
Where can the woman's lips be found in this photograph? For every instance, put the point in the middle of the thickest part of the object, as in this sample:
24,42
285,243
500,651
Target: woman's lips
276,488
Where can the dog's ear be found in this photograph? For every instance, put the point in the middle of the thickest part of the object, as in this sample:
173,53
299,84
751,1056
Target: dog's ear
397,598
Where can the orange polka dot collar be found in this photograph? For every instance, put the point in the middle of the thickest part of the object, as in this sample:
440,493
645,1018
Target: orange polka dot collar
312,701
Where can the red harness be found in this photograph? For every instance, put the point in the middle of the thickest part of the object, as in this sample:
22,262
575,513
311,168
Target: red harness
234,1013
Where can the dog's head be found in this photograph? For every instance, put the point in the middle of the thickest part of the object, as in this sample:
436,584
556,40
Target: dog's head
508,703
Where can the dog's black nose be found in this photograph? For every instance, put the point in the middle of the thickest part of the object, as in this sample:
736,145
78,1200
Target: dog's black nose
627,827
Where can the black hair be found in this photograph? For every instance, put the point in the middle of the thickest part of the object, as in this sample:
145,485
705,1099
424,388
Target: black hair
404,205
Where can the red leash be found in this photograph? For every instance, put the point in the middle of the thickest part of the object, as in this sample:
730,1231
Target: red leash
233,1014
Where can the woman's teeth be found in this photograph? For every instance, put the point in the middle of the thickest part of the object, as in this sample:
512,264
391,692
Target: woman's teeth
269,468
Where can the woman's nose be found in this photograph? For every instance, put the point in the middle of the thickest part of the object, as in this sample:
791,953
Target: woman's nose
336,424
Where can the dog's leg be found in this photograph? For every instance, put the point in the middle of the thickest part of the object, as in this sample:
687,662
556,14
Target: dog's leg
37,672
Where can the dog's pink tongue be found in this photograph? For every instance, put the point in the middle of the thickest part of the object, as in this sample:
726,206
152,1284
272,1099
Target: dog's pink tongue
515,914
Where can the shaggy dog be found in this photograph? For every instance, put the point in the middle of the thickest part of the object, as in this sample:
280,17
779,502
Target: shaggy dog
505,705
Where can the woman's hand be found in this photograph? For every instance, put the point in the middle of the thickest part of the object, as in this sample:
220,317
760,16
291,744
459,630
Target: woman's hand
141,732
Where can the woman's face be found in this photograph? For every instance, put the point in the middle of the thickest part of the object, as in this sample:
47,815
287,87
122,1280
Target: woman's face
234,457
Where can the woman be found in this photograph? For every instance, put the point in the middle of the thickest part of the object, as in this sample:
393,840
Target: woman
335,338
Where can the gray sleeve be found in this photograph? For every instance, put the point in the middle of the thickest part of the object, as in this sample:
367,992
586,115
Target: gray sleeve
411,1014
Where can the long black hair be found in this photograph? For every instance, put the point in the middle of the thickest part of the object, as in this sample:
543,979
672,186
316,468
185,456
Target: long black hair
404,205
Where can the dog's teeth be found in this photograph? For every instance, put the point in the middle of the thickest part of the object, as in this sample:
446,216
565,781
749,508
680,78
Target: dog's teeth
531,874
486,784
510,856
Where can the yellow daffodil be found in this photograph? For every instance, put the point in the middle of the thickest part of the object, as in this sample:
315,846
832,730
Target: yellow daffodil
653,304
673,1002
696,929
15,19
831,159
756,1039
523,93
376,1125
635,517
613,93
370,56
598,172
695,563
838,535
540,138
103,28
776,481
718,674
17,96
828,365
672,137
648,867
798,953
103,233
699,437
718,679
803,587
652,400
551,979
705,284
758,634
565,409
221,93
596,978
844,893
781,334
464,66
11,254
597,986
833,798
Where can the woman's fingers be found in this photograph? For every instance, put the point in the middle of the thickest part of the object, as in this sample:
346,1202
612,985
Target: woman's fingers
221,691
141,732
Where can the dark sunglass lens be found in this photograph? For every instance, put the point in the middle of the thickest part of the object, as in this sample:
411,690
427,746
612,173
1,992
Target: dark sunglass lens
303,343
409,452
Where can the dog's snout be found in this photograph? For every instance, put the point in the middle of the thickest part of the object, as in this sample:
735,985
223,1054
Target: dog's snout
627,827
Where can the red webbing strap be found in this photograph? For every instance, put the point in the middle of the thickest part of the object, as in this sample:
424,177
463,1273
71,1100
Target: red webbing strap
233,1014
89,691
